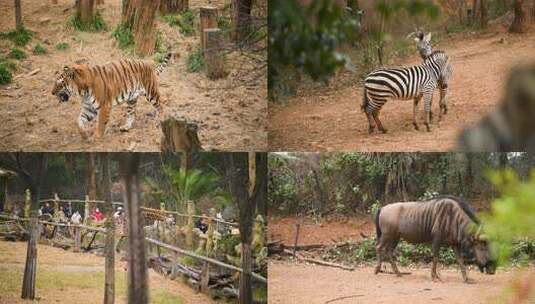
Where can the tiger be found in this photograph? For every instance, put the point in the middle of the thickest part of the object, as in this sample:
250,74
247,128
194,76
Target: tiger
102,87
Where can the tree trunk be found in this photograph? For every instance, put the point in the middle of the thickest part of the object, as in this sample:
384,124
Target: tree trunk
86,10
3,186
109,285
18,15
137,266
173,6
522,20
483,9
129,12
469,178
503,161
30,269
91,180
144,28
475,12
241,19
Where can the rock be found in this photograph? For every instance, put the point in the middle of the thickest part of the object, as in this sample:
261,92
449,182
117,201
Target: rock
54,130
46,41
44,20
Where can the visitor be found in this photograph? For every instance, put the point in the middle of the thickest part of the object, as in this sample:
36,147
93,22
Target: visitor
202,224
76,218
97,216
67,209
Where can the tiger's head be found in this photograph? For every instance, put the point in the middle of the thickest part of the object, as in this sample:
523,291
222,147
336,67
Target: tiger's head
64,86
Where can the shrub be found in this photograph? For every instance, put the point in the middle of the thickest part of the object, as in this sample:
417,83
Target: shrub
184,21
39,49
195,61
19,37
17,53
97,24
5,75
62,46
123,35
10,65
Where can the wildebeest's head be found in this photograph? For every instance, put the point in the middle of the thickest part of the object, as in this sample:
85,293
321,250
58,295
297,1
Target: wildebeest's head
484,258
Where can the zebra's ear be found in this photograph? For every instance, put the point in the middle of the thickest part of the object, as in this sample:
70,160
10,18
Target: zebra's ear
427,37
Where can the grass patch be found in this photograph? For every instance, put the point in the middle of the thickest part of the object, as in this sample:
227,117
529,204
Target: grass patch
195,61
165,297
8,64
19,37
97,24
38,49
184,21
17,53
159,57
124,36
62,46
5,75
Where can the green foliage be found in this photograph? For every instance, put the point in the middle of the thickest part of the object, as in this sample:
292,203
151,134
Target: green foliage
5,75
38,49
123,35
227,243
184,186
158,46
195,61
509,225
307,38
223,22
17,53
97,24
184,21
19,37
62,46
8,64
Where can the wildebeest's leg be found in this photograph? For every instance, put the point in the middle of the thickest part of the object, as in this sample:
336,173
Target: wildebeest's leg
371,122
428,99
415,111
380,253
392,258
461,264
379,124
435,249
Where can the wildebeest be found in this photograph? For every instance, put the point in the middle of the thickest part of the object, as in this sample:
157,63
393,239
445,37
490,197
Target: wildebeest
444,220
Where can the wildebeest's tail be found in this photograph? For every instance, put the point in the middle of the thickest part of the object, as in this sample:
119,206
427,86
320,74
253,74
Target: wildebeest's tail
377,228
365,100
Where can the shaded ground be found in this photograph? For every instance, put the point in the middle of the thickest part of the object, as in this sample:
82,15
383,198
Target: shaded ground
330,119
325,232
67,277
301,283
33,120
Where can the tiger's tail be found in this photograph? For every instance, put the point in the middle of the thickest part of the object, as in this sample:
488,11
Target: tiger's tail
165,61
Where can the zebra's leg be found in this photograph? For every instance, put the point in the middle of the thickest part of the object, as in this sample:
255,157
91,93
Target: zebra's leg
415,112
130,115
371,122
443,101
428,99
378,122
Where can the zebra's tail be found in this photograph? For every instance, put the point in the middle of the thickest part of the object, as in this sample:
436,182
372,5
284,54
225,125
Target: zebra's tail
365,100
164,63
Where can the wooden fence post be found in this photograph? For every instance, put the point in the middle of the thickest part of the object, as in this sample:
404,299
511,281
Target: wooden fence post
214,57
208,16
190,225
87,219
56,205
27,203
77,238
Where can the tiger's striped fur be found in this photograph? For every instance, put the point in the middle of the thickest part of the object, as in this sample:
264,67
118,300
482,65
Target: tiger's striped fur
103,86
414,82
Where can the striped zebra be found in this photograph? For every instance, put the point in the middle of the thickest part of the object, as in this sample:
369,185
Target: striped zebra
423,44
403,83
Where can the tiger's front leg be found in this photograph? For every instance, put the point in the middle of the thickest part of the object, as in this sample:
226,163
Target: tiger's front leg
130,115
102,120
87,114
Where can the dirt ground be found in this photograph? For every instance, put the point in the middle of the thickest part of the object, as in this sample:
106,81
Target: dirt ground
67,277
33,120
330,119
301,283
326,232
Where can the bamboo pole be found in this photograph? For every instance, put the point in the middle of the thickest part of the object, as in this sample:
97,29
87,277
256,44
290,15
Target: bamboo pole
190,225
27,202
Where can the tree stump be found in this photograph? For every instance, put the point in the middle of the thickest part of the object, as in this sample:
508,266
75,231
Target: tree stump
241,19
208,16
173,6
86,9
18,14
214,57
179,135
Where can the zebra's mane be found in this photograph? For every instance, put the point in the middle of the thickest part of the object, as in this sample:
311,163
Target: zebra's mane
462,204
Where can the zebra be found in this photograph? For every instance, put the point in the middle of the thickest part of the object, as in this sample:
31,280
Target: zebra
425,49
403,83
